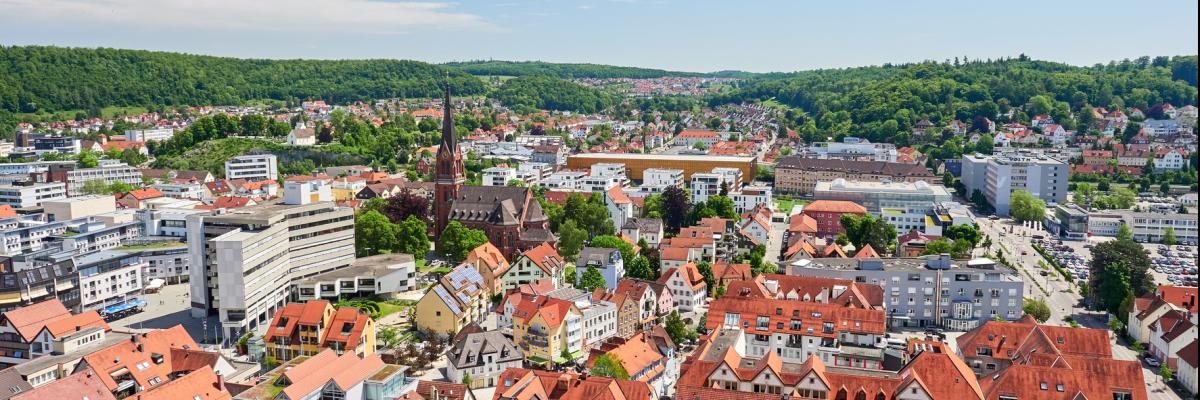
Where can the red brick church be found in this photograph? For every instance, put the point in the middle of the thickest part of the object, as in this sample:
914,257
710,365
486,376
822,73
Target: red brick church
510,216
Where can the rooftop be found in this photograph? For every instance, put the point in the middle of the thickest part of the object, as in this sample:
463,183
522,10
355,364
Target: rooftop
662,157
376,266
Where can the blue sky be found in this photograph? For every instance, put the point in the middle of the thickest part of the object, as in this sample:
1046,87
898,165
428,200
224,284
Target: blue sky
692,35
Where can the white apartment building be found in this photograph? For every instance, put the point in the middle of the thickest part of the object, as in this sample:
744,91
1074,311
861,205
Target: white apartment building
170,222
300,193
93,236
998,176
733,176
108,171
750,197
564,180
149,135
243,262
256,167
662,177
498,176
594,184
195,191
29,194
615,170
705,184
107,278
169,263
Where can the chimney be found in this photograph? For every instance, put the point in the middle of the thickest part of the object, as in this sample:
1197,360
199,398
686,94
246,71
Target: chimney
564,383
220,382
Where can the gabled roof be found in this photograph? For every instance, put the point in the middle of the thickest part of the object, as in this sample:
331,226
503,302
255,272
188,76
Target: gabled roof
1023,337
75,323
81,385
143,194
445,390
145,356
345,371
866,252
29,320
347,327
553,311
1184,297
1190,353
487,255
201,384
545,257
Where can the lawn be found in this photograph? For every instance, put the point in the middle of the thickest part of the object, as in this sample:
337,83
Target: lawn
785,205
421,266
386,309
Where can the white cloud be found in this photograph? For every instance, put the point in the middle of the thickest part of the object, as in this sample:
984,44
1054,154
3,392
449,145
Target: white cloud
334,16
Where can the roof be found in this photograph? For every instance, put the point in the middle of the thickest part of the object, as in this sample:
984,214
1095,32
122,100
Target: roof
6,211
11,383
1184,297
487,255
866,252
29,320
688,273
544,256
617,195
524,384
834,206
447,390
781,312
726,271
143,194
286,319
347,327
345,371
77,322
469,351
1009,340
553,311
1079,378
145,356
802,223
1190,353
636,355
201,384
81,385
856,167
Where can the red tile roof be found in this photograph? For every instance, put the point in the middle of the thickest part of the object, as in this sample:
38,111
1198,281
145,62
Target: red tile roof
345,371
143,194
445,390
6,211
29,320
1022,337
81,385
134,356
201,384
545,257
352,322
77,322
1184,297
781,312
1190,353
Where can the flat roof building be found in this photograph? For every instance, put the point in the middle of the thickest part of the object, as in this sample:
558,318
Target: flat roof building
637,164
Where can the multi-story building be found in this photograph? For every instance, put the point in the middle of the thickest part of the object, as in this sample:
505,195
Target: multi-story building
108,278
460,298
38,276
724,367
243,262
108,172
998,176
31,194
648,356
542,262
798,175
520,383
662,177
306,329
851,149
149,135
257,167
546,329
28,233
1152,227
498,176
636,164
38,329
828,215
794,330
348,377
733,177
687,286
94,236
616,170
605,260
705,185
164,260
481,357
932,290
907,206
194,191
384,275
749,197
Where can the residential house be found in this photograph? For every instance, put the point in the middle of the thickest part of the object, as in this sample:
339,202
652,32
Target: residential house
135,198
305,329
828,214
547,329
541,262
647,357
525,384
491,264
687,286
1173,330
38,329
459,298
648,229
481,357
605,260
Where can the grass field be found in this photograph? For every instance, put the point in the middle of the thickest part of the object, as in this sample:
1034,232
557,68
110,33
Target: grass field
785,205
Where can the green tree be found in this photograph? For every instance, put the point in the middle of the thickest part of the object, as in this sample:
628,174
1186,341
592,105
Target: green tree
1114,286
963,231
722,206
412,237
1024,207
1169,236
457,240
466,379
710,279
674,208
374,234
1166,372
570,239
591,279
613,242
88,159
1037,309
640,268
677,330
1124,233
1126,252
609,365
868,229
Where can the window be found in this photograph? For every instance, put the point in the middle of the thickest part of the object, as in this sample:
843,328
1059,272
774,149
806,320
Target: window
1059,387
1044,386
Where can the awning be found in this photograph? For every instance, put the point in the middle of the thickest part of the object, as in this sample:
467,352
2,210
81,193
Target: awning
113,309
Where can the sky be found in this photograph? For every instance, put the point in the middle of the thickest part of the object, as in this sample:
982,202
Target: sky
685,35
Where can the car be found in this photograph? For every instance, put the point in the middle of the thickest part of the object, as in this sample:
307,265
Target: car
1024,253
1044,273
1151,361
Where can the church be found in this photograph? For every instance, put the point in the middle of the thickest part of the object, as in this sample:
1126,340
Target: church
510,216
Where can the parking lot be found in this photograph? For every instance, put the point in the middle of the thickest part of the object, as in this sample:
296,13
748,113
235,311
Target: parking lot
1174,264
1073,261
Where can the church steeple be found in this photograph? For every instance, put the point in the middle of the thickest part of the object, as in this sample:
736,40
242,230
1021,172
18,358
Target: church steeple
450,174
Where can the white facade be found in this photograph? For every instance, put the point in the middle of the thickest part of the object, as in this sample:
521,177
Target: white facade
299,193
851,150
592,184
33,194
108,172
704,185
998,176
904,205
498,176
149,135
195,191
108,278
662,177
1172,160
253,167
750,197
733,177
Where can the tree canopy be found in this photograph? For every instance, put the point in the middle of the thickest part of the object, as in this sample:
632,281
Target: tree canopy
868,229
458,240
548,93
1024,207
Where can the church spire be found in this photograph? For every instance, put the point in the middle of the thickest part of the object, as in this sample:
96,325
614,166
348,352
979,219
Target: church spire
449,137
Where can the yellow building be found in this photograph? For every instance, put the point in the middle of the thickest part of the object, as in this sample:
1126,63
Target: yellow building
542,328
458,299
305,329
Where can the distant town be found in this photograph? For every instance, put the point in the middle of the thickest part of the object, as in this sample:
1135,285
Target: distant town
681,241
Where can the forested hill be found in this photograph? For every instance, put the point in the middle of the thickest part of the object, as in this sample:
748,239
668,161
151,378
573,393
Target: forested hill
563,70
882,103
38,78
532,93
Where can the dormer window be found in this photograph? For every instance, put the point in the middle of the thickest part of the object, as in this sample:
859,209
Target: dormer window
1044,386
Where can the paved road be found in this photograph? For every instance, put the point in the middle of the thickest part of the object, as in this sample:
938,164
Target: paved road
1155,388
1017,239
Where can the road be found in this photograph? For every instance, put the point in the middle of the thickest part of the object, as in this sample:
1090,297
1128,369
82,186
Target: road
1015,239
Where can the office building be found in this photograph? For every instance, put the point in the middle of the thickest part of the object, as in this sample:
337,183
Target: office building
384,275
31,194
257,167
798,175
149,135
907,206
78,207
108,172
931,290
108,278
243,262
853,149
998,176
662,177
636,164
